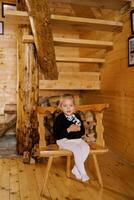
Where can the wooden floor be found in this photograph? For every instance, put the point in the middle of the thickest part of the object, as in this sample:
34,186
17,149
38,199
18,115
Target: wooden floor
19,181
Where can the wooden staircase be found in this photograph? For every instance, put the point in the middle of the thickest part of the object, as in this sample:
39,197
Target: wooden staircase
10,119
76,80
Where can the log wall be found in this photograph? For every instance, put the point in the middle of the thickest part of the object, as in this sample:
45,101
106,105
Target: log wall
117,78
7,64
8,58
117,90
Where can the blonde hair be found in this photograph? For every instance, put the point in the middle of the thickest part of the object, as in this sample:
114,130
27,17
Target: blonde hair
66,96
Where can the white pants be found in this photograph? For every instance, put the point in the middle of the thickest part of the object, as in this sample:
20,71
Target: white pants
80,150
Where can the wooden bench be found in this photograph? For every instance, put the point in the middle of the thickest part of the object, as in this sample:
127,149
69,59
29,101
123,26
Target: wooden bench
52,151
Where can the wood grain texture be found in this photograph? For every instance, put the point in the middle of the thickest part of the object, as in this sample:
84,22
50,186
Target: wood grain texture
117,89
111,4
94,24
68,85
71,42
84,108
80,60
7,65
22,17
27,92
16,179
53,151
39,15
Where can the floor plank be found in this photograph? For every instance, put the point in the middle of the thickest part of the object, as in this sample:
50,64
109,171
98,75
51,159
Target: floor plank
4,179
19,181
14,180
39,174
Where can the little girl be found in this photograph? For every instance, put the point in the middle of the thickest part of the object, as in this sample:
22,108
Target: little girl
68,129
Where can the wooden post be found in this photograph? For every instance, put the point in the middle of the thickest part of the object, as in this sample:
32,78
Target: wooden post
132,3
97,170
99,128
27,94
39,15
49,164
68,170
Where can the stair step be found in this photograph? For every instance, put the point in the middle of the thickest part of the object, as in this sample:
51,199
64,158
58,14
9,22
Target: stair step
68,85
69,42
22,17
80,60
95,24
77,76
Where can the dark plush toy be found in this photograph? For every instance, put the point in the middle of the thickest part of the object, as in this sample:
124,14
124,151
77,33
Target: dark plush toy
48,123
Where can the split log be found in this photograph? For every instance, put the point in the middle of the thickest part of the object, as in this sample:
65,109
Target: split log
41,27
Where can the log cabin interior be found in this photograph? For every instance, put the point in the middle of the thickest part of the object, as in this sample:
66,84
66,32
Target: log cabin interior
53,47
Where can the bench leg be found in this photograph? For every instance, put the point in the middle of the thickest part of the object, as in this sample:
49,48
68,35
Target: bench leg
68,170
98,170
50,160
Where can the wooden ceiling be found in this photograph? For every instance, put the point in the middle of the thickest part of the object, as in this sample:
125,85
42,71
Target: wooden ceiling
84,7
104,4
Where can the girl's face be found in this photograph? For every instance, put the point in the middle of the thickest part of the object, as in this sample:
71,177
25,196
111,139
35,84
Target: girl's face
68,107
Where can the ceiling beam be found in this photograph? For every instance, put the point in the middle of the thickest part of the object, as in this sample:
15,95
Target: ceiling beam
39,15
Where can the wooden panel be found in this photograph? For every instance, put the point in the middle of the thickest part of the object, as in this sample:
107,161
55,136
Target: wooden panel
66,52
76,76
110,4
69,85
7,64
118,91
17,17
72,81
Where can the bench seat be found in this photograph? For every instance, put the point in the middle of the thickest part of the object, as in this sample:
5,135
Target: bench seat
53,151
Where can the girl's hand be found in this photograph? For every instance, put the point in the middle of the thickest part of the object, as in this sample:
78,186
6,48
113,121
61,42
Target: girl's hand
73,128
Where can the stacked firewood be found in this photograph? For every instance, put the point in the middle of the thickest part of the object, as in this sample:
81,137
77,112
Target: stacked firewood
48,124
